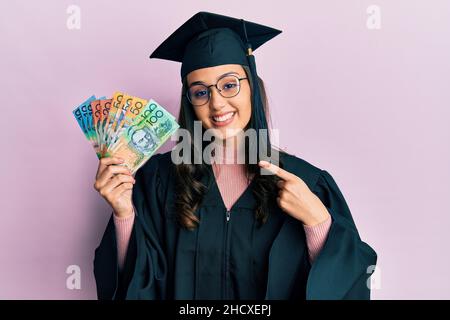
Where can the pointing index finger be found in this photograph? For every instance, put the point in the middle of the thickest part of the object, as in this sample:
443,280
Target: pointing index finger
283,174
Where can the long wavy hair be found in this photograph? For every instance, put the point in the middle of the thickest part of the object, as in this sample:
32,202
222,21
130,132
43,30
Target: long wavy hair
189,187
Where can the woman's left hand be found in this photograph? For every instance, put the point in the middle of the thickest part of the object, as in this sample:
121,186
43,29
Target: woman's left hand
295,198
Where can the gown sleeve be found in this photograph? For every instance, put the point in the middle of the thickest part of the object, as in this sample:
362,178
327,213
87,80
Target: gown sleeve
144,272
341,270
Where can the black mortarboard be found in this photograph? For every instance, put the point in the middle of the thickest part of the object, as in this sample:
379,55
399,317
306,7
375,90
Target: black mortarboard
209,39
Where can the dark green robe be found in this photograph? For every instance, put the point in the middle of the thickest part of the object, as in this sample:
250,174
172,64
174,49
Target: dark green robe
232,259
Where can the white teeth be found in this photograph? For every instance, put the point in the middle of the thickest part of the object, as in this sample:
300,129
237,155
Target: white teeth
225,117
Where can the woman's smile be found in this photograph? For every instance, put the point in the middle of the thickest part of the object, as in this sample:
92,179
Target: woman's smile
223,119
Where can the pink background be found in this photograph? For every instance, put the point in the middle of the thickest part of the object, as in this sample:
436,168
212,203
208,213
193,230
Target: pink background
369,106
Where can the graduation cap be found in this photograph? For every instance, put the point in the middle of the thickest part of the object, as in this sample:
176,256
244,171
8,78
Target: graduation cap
209,39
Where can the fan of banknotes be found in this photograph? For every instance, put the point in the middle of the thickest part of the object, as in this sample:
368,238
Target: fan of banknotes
124,126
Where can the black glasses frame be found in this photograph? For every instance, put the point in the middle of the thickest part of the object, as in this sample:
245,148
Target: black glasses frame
215,85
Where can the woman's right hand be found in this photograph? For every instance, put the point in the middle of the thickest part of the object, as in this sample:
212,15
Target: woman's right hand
115,185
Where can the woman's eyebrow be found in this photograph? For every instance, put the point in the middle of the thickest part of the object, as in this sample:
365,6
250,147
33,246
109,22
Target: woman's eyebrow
225,74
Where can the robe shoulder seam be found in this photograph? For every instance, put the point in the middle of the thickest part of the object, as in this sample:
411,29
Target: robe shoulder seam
305,170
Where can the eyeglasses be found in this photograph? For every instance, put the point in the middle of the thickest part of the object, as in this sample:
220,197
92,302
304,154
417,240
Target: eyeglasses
228,87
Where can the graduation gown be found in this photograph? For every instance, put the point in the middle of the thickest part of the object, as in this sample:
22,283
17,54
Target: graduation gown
231,258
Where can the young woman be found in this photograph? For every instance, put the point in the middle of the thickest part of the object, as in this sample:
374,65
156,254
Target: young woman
201,230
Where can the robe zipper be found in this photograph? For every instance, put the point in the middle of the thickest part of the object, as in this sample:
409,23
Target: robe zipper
226,256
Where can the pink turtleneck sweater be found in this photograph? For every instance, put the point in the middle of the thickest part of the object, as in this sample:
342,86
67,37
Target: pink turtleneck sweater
232,182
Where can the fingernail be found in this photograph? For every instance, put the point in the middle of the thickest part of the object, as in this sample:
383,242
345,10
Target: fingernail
263,163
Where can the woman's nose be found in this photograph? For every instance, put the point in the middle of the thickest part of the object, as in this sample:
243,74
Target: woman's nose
216,102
